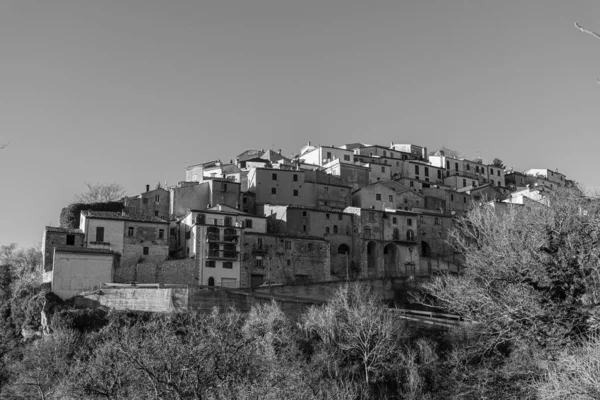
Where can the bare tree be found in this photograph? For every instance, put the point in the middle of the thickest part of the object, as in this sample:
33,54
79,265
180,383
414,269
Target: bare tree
592,33
532,274
498,163
101,193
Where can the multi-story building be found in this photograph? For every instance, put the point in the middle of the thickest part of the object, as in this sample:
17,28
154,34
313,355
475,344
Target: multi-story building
280,258
198,196
439,197
213,238
553,176
353,175
297,187
58,237
323,155
134,238
151,202
333,225
387,194
461,173
387,242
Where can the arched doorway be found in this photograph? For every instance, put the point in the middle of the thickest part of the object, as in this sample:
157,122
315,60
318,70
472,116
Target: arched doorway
425,249
371,258
211,281
340,262
390,259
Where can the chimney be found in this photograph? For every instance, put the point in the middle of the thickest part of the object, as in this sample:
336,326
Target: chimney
147,188
279,152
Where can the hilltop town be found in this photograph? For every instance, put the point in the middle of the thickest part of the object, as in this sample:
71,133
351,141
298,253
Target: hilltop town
331,213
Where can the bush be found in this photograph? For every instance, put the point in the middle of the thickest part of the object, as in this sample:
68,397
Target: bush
70,215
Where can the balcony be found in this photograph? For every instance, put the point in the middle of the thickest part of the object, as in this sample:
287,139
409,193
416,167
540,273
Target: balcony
221,254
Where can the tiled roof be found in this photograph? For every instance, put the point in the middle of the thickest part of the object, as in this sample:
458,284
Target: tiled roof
73,249
123,217
73,231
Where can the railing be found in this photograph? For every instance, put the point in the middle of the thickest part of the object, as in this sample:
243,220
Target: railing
430,318
226,254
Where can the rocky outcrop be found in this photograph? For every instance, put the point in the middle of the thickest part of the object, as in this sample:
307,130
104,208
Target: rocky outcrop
52,304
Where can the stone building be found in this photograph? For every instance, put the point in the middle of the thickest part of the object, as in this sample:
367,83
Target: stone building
58,237
151,202
135,238
276,259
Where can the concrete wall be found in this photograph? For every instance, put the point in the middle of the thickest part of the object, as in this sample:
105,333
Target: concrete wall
224,192
189,196
166,272
355,176
75,272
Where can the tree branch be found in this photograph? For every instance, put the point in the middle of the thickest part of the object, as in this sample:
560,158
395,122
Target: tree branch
582,29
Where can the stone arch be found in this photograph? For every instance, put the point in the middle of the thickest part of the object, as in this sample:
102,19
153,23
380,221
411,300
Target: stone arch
425,249
211,281
343,249
372,257
390,259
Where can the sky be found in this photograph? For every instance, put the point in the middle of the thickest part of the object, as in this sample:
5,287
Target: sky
131,91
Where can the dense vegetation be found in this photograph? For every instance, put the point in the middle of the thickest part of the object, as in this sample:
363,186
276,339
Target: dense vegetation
530,286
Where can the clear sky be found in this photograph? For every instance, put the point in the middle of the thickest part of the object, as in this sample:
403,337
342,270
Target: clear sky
130,91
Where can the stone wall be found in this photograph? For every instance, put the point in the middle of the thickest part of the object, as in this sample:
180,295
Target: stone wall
172,271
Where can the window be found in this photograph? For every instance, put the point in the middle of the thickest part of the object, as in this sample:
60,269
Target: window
70,240
492,182
439,172
326,229
346,157
304,213
145,200
464,182
397,163
274,176
340,216
409,221
394,220
498,173
456,166
161,233
157,198
295,177
130,231
258,262
288,262
288,245
326,190
412,184
259,242
382,169
384,153
436,221
378,196
469,168
426,171
156,213
410,236
273,191
396,234
310,246
99,234
296,192
465,200
200,219
343,192
248,223
304,228
371,217
451,197
228,221
146,251
209,263
224,187
335,229
227,265
211,281
343,249
326,216
391,197
416,170
244,200
492,171
329,155
447,164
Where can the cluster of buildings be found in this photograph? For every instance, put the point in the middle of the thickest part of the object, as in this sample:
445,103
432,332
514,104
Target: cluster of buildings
329,213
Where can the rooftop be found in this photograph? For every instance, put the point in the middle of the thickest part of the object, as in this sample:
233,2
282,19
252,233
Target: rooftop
122,217
73,231
73,249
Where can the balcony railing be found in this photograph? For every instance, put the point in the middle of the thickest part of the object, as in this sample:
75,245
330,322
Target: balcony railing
222,254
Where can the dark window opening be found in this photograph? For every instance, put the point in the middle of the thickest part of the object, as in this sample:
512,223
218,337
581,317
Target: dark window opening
99,234
146,251
70,240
